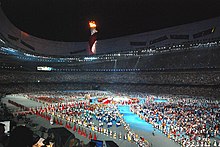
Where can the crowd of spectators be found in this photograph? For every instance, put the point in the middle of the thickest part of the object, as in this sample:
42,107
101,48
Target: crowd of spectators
199,58
175,118
178,78
187,121
205,91
187,59
189,72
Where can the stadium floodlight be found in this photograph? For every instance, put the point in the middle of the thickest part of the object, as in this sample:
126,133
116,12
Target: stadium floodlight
44,68
90,58
2,41
92,38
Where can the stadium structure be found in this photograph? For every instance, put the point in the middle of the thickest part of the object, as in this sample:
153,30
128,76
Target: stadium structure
182,61
170,60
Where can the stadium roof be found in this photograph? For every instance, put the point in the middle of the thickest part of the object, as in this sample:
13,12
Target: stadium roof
68,20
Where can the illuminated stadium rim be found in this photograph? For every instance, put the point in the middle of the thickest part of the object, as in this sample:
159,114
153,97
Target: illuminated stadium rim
144,51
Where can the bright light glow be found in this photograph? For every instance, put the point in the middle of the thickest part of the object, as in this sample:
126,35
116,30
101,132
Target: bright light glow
2,41
92,24
90,58
29,55
213,30
93,31
93,49
44,68
9,49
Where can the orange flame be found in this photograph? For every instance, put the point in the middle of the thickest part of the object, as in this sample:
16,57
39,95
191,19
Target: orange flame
92,24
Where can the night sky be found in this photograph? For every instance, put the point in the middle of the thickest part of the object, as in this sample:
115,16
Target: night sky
67,20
